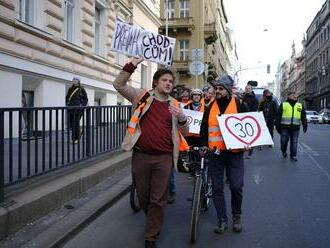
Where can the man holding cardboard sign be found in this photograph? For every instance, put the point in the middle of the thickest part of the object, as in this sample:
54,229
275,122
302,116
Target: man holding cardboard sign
153,134
211,137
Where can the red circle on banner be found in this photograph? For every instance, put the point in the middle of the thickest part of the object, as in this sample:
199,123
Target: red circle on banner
241,119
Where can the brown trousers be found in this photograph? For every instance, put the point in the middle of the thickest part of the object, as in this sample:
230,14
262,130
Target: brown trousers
151,173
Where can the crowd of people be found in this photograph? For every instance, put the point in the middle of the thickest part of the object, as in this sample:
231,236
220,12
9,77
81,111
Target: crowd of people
158,131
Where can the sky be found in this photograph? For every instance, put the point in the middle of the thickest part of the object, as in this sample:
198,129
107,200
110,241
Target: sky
285,20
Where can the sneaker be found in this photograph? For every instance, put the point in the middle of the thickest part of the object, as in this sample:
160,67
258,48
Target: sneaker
76,141
221,227
284,154
248,156
237,225
171,197
150,244
294,158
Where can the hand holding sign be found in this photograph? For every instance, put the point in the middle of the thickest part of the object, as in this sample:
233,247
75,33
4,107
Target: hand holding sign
194,119
244,130
136,60
135,41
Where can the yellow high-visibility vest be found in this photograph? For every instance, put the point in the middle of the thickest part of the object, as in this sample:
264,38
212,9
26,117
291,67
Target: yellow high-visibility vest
291,115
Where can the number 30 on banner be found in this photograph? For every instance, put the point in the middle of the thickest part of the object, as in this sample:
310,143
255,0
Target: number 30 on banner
246,129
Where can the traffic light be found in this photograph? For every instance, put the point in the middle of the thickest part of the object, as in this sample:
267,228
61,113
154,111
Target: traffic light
268,68
323,71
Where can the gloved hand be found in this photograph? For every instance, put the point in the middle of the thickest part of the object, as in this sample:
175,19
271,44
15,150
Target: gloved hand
304,129
203,150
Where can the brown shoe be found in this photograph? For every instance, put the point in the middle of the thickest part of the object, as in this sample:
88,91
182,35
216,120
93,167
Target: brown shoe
237,225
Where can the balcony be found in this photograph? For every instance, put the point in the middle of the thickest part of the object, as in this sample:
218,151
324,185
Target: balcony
209,29
181,66
177,24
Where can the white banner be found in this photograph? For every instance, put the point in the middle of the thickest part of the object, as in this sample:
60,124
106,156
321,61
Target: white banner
194,119
134,41
245,129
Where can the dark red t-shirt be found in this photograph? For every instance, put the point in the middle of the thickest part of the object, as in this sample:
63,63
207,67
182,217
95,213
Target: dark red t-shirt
156,127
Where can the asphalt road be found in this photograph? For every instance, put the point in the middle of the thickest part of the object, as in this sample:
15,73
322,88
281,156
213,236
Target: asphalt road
286,204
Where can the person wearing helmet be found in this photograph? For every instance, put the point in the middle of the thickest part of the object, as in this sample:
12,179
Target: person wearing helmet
196,105
196,97
211,137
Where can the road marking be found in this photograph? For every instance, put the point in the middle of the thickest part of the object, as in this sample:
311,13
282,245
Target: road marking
314,153
256,176
316,163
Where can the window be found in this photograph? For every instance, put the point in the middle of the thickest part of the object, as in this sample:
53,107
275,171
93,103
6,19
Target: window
97,30
184,8
26,11
121,59
170,9
69,20
184,49
144,76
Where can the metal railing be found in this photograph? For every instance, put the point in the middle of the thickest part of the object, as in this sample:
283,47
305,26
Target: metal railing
35,141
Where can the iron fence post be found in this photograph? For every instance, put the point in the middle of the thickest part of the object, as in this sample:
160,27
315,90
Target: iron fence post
2,155
88,132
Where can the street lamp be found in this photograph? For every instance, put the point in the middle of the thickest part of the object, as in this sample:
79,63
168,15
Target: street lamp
166,22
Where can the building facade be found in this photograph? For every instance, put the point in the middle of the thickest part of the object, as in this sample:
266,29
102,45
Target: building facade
44,44
317,60
198,25
291,75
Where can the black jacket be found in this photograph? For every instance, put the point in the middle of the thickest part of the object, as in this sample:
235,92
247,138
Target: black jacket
251,101
269,108
280,126
223,104
79,98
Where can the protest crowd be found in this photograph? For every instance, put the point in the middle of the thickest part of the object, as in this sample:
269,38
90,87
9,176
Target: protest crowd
159,130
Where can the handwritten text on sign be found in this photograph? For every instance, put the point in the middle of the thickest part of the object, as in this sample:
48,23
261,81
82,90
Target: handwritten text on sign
194,119
245,129
134,41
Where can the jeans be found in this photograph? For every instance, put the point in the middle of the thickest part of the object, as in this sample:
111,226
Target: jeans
171,185
287,134
235,167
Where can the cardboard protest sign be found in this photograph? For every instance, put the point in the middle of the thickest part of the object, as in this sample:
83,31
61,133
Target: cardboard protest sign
245,129
135,41
194,119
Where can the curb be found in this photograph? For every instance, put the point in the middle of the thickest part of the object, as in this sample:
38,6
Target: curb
61,232
35,202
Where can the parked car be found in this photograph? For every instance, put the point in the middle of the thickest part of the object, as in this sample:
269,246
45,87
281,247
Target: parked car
325,118
312,116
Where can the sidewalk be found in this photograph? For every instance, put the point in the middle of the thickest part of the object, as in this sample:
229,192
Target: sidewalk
77,196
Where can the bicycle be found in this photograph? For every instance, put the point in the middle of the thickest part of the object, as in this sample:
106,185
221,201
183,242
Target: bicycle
133,199
202,191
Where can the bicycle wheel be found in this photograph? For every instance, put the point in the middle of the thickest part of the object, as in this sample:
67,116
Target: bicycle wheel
195,209
206,191
133,199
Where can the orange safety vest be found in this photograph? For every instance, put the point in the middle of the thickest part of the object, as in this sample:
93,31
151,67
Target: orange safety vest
215,136
144,99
